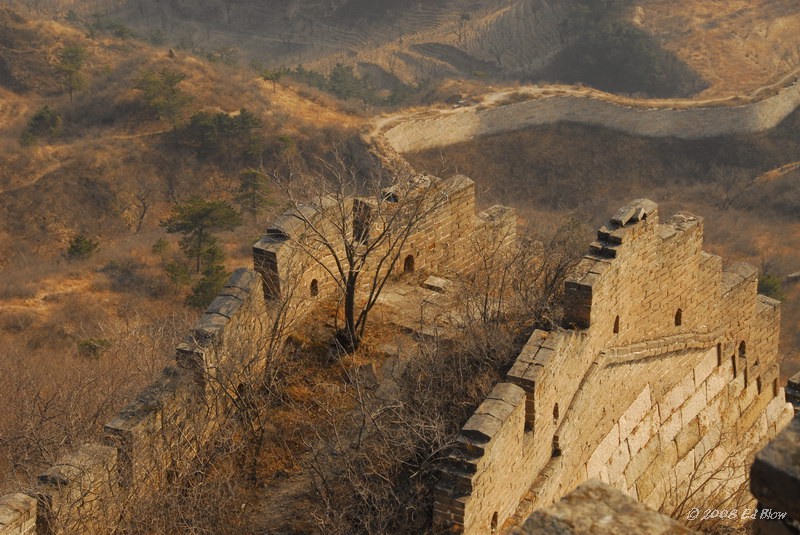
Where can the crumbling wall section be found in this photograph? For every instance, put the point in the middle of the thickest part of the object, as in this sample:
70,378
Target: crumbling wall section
155,436
298,264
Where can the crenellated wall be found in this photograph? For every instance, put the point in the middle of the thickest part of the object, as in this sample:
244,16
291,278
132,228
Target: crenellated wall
691,121
664,378
664,375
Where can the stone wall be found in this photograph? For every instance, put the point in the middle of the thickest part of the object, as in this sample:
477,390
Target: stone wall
156,434
17,514
664,377
694,121
297,267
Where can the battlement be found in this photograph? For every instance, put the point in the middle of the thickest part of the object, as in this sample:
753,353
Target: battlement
160,430
663,356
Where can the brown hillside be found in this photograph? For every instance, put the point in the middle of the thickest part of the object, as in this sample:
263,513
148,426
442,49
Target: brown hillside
732,47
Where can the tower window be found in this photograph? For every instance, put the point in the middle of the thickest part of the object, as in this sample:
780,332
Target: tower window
408,264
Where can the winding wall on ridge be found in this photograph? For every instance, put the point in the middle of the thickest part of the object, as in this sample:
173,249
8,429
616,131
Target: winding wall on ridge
440,129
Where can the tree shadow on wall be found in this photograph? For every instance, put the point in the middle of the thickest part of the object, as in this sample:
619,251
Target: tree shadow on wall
621,58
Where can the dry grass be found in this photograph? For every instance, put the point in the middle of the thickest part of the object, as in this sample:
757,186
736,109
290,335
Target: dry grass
736,45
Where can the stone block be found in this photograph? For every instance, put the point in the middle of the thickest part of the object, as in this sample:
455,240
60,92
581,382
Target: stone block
705,367
716,382
693,405
688,437
618,462
17,514
507,392
595,508
676,396
437,284
224,305
643,432
641,461
670,427
481,427
604,450
635,413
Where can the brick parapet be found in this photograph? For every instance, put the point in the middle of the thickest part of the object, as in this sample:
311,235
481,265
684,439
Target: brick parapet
671,358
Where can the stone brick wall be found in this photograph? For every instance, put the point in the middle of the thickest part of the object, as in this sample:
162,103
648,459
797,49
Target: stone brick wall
300,270
157,432
663,377
693,122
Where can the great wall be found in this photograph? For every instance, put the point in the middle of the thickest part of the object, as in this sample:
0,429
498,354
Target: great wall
689,351
684,119
666,366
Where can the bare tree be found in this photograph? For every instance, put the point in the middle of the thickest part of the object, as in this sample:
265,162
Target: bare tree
355,223
719,482
733,181
376,460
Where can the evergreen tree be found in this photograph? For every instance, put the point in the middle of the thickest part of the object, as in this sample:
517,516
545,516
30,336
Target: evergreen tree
161,92
81,247
252,196
197,219
70,63
207,288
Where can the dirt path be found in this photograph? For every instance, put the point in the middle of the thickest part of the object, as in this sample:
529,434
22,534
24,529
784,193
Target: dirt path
777,173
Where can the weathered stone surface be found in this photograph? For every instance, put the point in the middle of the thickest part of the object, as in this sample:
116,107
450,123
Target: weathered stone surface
17,514
595,508
437,284
481,427
775,474
639,386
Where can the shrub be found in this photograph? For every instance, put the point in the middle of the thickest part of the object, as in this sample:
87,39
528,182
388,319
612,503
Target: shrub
770,285
92,347
46,122
207,288
81,248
